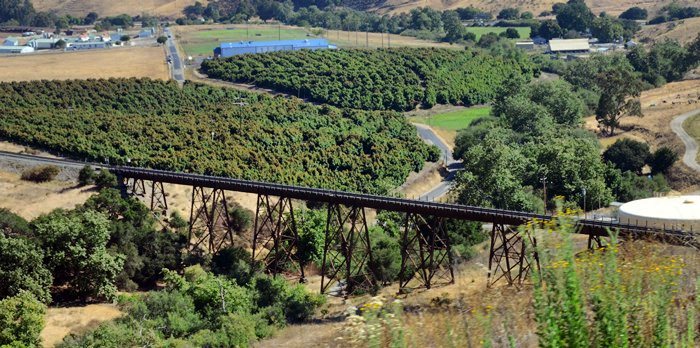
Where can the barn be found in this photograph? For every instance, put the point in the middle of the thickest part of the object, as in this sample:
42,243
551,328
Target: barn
229,49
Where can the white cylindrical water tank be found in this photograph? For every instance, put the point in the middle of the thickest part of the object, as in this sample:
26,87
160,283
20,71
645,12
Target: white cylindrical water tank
675,212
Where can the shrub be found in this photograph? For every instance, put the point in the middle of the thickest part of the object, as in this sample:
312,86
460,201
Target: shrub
40,173
232,262
627,155
386,257
21,320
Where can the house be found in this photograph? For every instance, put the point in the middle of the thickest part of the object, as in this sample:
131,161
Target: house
569,46
75,46
105,37
115,37
42,44
229,49
148,32
11,41
15,49
84,37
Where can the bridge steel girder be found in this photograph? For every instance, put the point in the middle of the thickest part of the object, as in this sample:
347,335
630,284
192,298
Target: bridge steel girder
275,229
347,250
426,255
152,194
508,255
210,223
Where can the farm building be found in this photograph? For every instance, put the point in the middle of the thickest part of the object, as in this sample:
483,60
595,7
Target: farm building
148,32
571,46
15,49
229,49
74,46
42,44
525,45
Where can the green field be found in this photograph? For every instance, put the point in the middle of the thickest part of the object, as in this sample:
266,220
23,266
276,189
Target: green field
203,42
523,31
453,120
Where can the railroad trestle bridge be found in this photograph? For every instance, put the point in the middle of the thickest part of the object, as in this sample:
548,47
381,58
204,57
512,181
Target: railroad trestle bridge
425,246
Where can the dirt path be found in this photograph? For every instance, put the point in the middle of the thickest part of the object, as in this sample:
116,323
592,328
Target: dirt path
691,146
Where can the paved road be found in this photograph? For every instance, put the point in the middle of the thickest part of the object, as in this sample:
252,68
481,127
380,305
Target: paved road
428,135
691,146
176,68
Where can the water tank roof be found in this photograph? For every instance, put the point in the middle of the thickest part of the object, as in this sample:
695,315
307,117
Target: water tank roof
678,208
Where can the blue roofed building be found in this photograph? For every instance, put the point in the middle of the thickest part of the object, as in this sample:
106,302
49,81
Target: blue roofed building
228,49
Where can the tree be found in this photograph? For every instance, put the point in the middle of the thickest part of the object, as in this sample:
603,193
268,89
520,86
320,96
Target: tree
75,246
105,179
526,117
21,320
161,40
607,29
560,99
13,225
527,15
574,15
508,13
662,159
90,18
488,39
454,30
512,33
620,91
22,269
86,176
60,44
548,29
634,13
628,155
125,38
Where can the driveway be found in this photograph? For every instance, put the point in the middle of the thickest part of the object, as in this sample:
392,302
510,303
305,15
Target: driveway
691,146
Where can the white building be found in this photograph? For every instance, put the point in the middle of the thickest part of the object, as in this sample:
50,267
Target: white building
42,44
15,49
569,46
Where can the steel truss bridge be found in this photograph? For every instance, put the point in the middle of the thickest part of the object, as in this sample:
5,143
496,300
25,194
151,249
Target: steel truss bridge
425,246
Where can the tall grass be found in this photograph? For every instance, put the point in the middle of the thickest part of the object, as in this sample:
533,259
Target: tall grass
630,294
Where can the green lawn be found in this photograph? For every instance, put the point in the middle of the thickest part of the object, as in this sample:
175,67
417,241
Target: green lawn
523,31
453,120
203,42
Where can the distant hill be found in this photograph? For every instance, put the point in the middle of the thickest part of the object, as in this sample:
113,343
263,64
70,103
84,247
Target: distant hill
172,8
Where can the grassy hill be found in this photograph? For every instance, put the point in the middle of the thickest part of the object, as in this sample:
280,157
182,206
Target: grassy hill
174,7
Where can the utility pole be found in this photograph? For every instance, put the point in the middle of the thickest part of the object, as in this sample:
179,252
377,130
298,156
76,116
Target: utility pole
584,202
543,179
367,39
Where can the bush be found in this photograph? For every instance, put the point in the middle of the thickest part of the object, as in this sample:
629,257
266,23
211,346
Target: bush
233,262
21,320
386,257
86,176
41,173
628,155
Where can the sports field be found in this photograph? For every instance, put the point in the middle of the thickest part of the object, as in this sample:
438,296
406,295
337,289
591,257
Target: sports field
523,31
453,120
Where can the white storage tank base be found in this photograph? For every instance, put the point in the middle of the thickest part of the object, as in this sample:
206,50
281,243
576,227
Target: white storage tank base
675,212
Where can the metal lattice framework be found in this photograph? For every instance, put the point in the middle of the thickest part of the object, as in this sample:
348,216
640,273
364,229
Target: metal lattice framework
152,194
347,251
275,230
210,225
425,252
508,258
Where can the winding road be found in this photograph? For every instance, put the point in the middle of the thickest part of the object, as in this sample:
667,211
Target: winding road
691,146
429,136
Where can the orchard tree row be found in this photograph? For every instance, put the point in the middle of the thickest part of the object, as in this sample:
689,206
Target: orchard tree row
217,131
379,79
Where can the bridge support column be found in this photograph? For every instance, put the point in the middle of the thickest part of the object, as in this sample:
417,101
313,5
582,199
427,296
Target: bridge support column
210,226
508,257
347,250
135,187
425,252
152,194
159,202
595,242
276,231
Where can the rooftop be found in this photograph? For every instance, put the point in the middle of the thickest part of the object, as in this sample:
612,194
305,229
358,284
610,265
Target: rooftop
561,45
664,208
305,42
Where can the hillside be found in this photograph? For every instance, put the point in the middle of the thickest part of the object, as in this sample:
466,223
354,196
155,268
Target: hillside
535,6
683,31
170,8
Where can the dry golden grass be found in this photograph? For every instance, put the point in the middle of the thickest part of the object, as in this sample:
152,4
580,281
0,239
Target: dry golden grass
683,31
115,62
660,106
62,321
375,40
167,8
